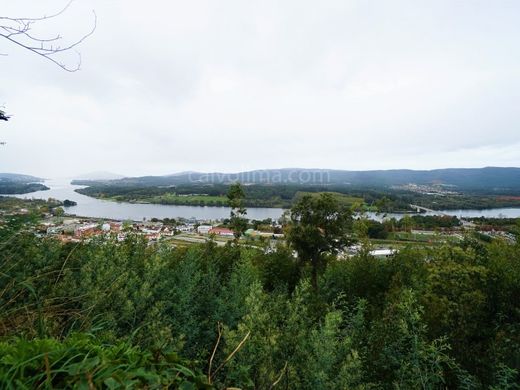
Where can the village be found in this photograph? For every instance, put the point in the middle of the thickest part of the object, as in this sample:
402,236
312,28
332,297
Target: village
75,229
51,222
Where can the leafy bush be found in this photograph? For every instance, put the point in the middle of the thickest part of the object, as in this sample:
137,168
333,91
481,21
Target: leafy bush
81,361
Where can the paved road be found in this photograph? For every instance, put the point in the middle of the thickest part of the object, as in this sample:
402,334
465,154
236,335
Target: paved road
197,240
419,208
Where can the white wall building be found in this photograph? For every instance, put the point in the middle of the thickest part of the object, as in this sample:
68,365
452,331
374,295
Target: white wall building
204,229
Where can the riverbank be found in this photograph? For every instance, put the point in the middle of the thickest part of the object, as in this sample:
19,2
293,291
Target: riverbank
96,208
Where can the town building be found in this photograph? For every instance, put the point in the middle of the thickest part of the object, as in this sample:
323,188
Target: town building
204,229
220,231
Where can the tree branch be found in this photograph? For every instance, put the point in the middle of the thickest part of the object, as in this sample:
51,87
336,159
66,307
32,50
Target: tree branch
17,31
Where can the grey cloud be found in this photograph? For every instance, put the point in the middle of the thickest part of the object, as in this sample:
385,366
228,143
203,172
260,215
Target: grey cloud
203,85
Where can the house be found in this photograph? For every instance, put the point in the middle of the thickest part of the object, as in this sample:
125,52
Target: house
151,229
383,252
219,231
256,233
86,230
186,228
54,229
115,226
204,229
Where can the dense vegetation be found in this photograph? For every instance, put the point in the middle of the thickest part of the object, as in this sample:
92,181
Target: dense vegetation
285,195
213,194
11,183
466,201
381,230
510,225
115,314
8,187
36,207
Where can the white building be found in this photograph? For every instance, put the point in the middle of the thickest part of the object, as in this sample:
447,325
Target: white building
186,228
204,229
383,252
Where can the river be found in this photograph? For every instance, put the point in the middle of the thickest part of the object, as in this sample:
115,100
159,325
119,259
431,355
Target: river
97,208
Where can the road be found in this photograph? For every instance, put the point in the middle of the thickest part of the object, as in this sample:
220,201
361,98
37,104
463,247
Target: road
421,208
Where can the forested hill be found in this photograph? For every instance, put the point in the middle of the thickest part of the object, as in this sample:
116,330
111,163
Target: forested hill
490,179
13,183
15,177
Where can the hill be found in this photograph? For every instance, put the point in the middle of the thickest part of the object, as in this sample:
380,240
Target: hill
490,179
15,177
13,183
100,175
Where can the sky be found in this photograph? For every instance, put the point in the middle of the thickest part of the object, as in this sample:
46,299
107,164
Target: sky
167,86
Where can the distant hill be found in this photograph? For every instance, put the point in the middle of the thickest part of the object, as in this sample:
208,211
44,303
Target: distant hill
489,179
13,183
17,178
100,175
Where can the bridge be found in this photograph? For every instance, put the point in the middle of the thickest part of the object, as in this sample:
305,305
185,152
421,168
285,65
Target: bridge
425,209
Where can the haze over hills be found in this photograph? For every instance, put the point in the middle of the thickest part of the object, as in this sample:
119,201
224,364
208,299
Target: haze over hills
100,175
18,178
494,179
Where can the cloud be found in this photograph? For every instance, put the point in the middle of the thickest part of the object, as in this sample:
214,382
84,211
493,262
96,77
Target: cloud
169,86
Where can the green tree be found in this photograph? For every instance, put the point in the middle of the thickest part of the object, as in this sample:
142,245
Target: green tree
319,225
237,220
58,212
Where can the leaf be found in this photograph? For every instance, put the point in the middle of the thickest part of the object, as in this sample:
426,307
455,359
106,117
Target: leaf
187,386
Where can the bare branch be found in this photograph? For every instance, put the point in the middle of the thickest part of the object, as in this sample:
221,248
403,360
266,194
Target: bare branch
219,328
17,31
44,17
238,347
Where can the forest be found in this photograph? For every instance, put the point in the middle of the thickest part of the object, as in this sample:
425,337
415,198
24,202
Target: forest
11,183
109,314
8,187
386,200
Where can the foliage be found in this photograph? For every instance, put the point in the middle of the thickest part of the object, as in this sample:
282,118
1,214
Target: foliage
237,220
446,317
319,225
81,361
9,187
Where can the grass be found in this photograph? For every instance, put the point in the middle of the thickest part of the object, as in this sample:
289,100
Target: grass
189,199
343,199
422,238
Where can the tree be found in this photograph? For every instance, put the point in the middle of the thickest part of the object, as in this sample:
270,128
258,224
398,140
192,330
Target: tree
318,225
237,220
59,212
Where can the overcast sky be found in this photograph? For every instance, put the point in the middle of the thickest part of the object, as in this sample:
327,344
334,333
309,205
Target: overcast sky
168,86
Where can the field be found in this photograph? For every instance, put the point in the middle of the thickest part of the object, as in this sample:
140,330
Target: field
196,200
343,199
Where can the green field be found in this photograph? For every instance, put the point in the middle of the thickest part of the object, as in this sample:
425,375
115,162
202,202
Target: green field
343,199
206,200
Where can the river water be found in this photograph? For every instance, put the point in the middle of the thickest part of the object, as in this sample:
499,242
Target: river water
91,207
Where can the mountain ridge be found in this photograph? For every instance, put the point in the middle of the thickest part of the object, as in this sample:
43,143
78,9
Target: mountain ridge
490,178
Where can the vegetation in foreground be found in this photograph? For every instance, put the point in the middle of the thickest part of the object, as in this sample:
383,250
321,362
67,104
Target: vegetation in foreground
125,314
